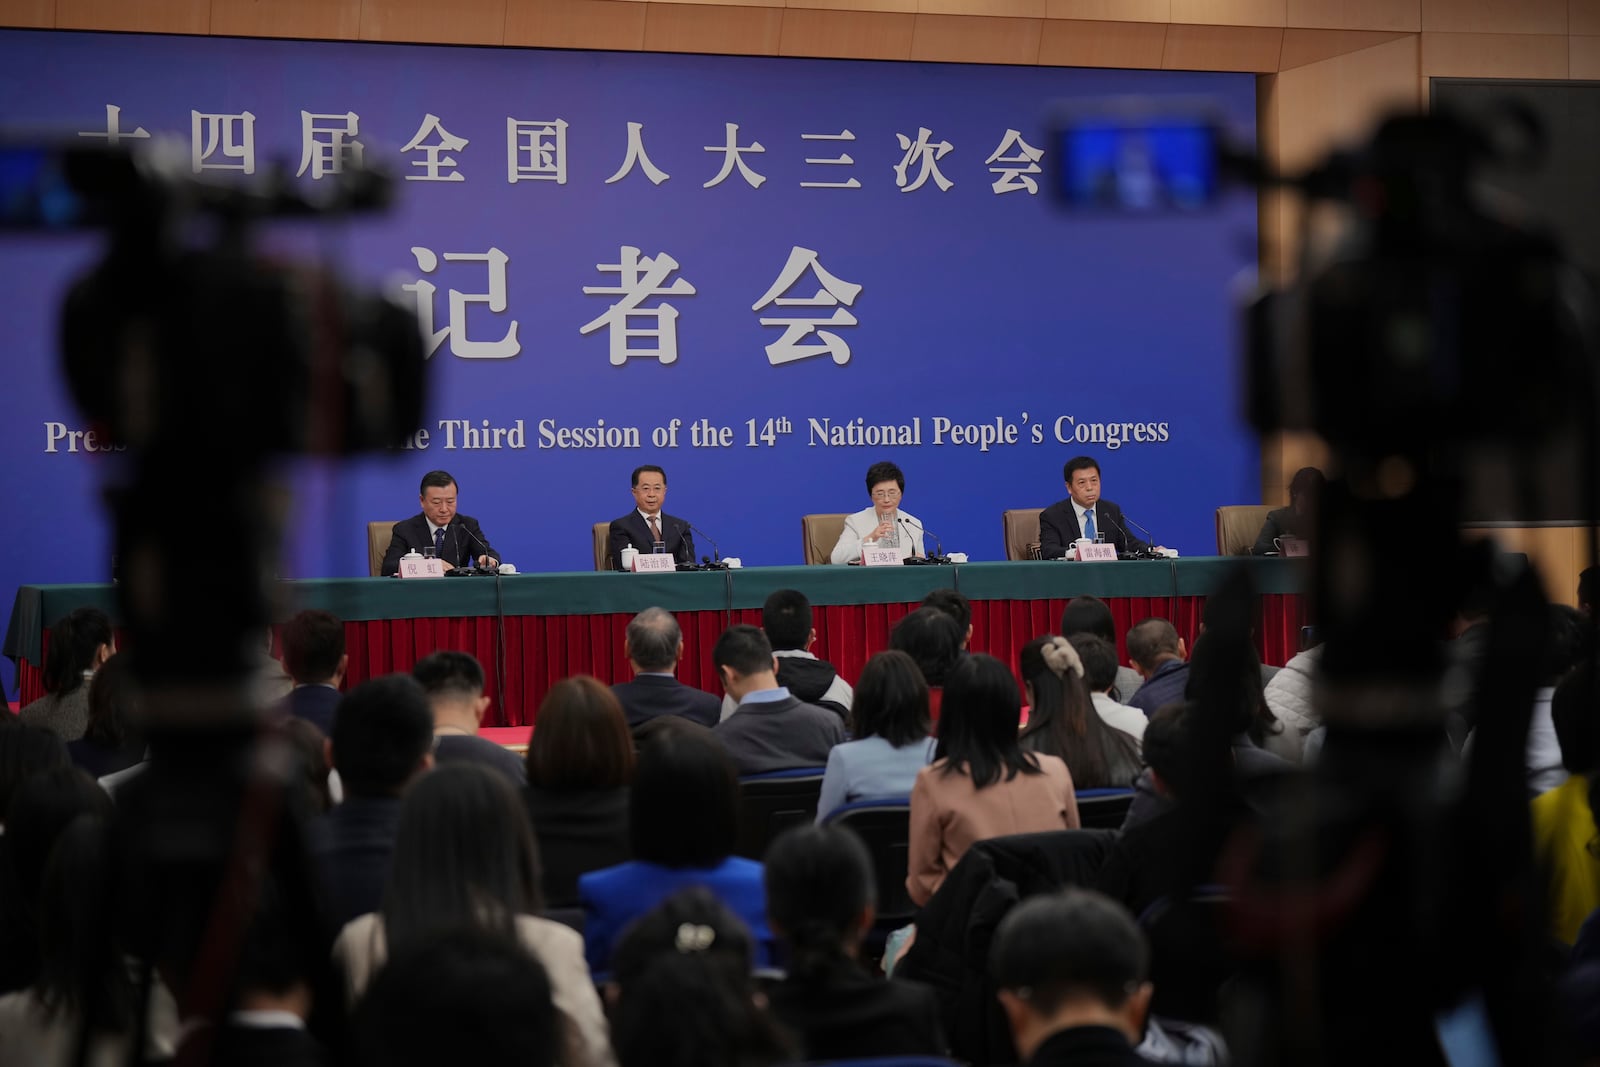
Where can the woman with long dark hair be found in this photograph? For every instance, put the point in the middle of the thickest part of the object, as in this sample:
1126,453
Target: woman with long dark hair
113,739
820,901
79,643
464,856
1063,722
891,724
981,783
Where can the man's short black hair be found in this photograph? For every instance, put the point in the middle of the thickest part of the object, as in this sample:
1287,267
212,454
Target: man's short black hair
1588,586
744,649
1150,639
930,637
683,807
786,619
1088,615
1166,745
1074,943
953,604
1099,660
648,468
449,674
653,639
381,732
436,480
1079,463
313,645
885,472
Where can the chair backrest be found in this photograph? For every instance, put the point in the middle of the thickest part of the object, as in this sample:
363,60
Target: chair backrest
884,826
1238,526
602,543
1021,526
771,803
820,533
1103,809
379,534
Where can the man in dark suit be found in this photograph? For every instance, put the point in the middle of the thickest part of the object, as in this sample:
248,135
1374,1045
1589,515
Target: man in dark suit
1072,969
455,538
1083,514
654,645
646,525
771,729
454,683
314,656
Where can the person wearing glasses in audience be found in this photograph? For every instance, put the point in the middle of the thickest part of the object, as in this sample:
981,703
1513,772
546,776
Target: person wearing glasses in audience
883,522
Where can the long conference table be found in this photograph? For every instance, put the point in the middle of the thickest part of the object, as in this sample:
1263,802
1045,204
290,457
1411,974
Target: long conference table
531,630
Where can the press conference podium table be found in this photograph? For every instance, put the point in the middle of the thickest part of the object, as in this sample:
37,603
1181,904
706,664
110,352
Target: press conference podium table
530,630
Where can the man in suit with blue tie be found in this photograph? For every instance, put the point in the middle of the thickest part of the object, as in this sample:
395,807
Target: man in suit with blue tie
654,645
646,525
455,538
1084,514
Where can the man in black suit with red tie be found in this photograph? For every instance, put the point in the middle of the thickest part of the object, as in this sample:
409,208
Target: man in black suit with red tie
647,525
1084,514
455,538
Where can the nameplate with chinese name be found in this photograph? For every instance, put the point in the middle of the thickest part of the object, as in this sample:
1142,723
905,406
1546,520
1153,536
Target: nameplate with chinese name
1294,546
653,563
421,568
1088,553
879,556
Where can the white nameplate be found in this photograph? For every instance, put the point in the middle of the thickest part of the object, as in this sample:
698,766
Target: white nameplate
880,556
421,568
653,563
1088,552
1294,546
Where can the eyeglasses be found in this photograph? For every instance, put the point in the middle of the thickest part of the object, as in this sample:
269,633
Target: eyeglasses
886,494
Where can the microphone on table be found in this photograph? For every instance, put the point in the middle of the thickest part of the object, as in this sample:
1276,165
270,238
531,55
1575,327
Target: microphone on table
714,561
1147,553
939,556
472,563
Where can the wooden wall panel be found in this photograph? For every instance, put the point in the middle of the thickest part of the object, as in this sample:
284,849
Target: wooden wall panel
1583,58
1583,17
28,13
847,34
1071,43
1230,12
1494,16
611,24
316,19
1242,48
1404,16
458,22
147,16
726,3
1304,47
1560,552
908,7
972,39
1015,9
1493,55
1110,10
748,31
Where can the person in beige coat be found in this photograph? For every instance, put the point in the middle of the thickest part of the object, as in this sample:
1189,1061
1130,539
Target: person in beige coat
464,857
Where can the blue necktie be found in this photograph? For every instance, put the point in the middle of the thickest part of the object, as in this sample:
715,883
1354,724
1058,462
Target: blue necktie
438,542
1088,523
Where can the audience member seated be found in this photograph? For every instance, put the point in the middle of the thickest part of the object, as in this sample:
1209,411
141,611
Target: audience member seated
1100,669
981,783
653,646
682,994
458,997
1289,697
933,641
891,727
1564,823
1588,591
786,620
270,684
1091,615
453,682
820,900
113,740
580,761
310,747
1565,644
382,739
314,656
771,729
464,856
80,642
1072,969
958,607
683,822
1158,655
1255,730
24,752
1162,752
84,983
1062,721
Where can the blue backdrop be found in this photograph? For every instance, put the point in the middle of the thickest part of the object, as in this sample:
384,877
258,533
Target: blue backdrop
664,253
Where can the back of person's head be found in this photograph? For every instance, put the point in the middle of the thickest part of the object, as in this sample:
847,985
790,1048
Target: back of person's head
1167,748
653,638
82,974
1565,643
580,739
1030,659
1099,658
449,676
459,996
978,723
683,809
820,895
1307,484
26,750
313,645
891,700
932,639
44,805
953,604
1588,589
114,705
683,992
76,643
1575,712
1073,946
1088,615
1150,640
743,650
1063,721
381,735
310,747
786,619
463,855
